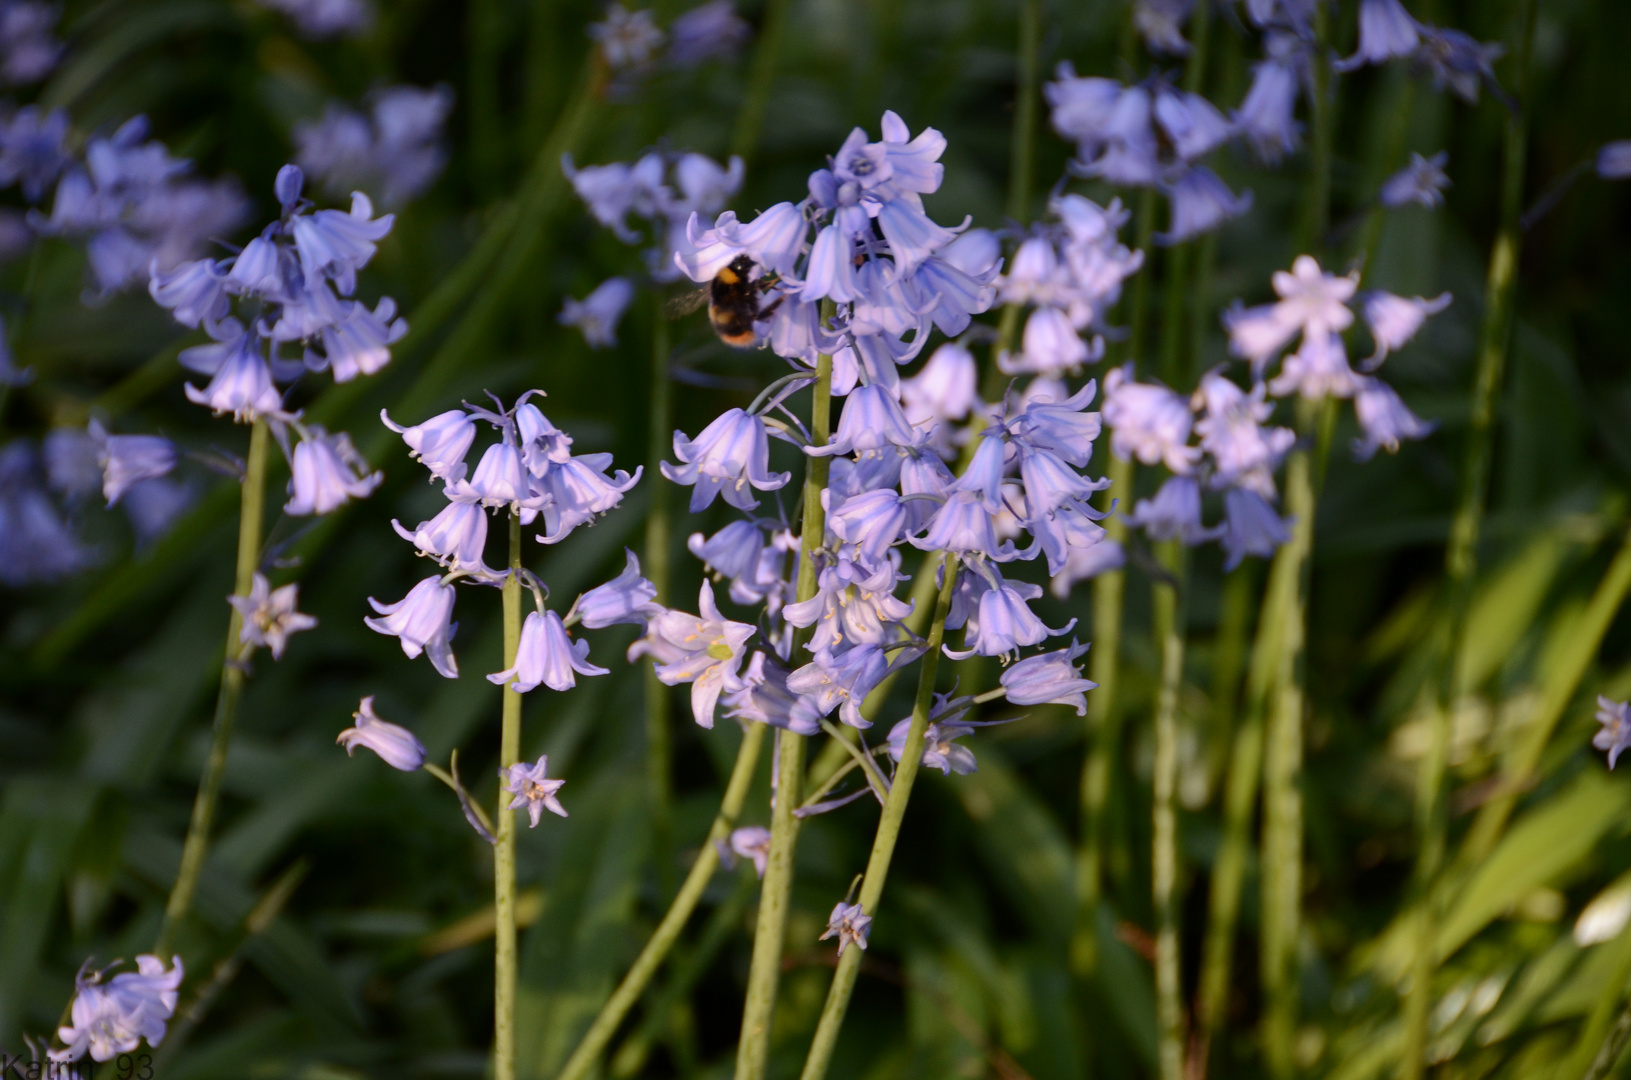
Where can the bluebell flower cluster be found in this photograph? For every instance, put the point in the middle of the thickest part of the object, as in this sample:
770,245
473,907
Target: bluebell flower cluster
1150,134
530,471
1453,59
393,150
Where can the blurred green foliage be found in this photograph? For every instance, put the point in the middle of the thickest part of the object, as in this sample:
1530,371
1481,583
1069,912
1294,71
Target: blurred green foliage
379,965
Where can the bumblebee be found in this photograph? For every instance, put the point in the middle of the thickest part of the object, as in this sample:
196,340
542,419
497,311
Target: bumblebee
733,299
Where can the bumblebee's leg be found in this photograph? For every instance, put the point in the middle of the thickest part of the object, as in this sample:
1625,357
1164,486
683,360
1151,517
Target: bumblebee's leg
769,309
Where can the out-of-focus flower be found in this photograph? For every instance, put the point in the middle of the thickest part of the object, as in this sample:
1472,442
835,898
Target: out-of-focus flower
598,314
1615,736
36,543
1614,160
1422,181
849,926
1160,23
112,1018
1384,419
705,32
1394,320
1386,31
394,150
1200,203
395,745
269,615
1173,514
626,39
1085,563
28,52
533,789
1148,422
33,148
1250,527
325,18
752,842
1266,117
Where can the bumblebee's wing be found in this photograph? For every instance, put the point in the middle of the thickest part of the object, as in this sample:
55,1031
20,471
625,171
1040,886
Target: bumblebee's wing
678,307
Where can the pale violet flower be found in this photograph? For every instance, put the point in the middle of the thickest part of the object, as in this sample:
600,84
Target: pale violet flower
940,750
127,460
36,543
872,421
626,39
1312,303
395,745
242,383
1384,419
269,615
325,18
1050,346
1051,678
28,52
1266,117
546,654
627,598
1422,181
1085,563
1173,514
1614,160
111,1018
705,32
455,537
1232,431
727,456
394,149
32,149
1458,62
1200,203
1250,527
841,681
1148,422
1394,320
1318,369
423,622
440,443
1615,736
944,389
326,473
849,926
704,651
1386,32
765,698
1004,622
1160,24
752,842
598,314
1193,125
533,789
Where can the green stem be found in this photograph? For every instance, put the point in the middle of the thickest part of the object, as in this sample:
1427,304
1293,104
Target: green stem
883,843
509,752
1139,299
1314,221
605,1023
766,62
659,752
1595,1049
770,931
1461,560
1169,634
1022,151
251,514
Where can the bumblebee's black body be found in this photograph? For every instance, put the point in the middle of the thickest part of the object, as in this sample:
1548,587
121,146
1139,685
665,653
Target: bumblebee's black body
733,303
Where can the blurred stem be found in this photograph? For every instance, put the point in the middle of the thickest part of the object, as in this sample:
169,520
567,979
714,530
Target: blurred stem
1316,209
766,60
1103,732
251,514
1169,634
606,1022
1172,318
485,32
1282,779
1139,300
1022,151
770,932
509,750
659,752
883,843
1597,1046
1461,558
1239,792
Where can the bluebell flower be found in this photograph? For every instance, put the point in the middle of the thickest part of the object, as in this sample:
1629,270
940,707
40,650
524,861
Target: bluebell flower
1148,422
849,925
612,192
872,421
1250,527
1616,734
626,39
195,292
1457,61
71,459
1084,563
455,537
358,344
110,1019
335,244
705,32
153,506
1232,431
923,473
627,598
1318,369
1050,482
704,651
1063,531
764,698
1173,514
1394,320
1193,125
963,525
940,750
598,314
395,745
1614,160
1312,303
1386,32
576,492
1080,106
393,150
842,681
1422,181
944,389
423,622
1201,202
33,149
1160,24
732,552
1050,346
1005,623
1293,15
533,789
1266,117
751,842
543,445
1051,678
869,524
1129,151
854,605
726,458
326,473
498,479
28,52
126,460
36,543
439,443
546,654
1384,419
269,615
325,18
242,378
1060,426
